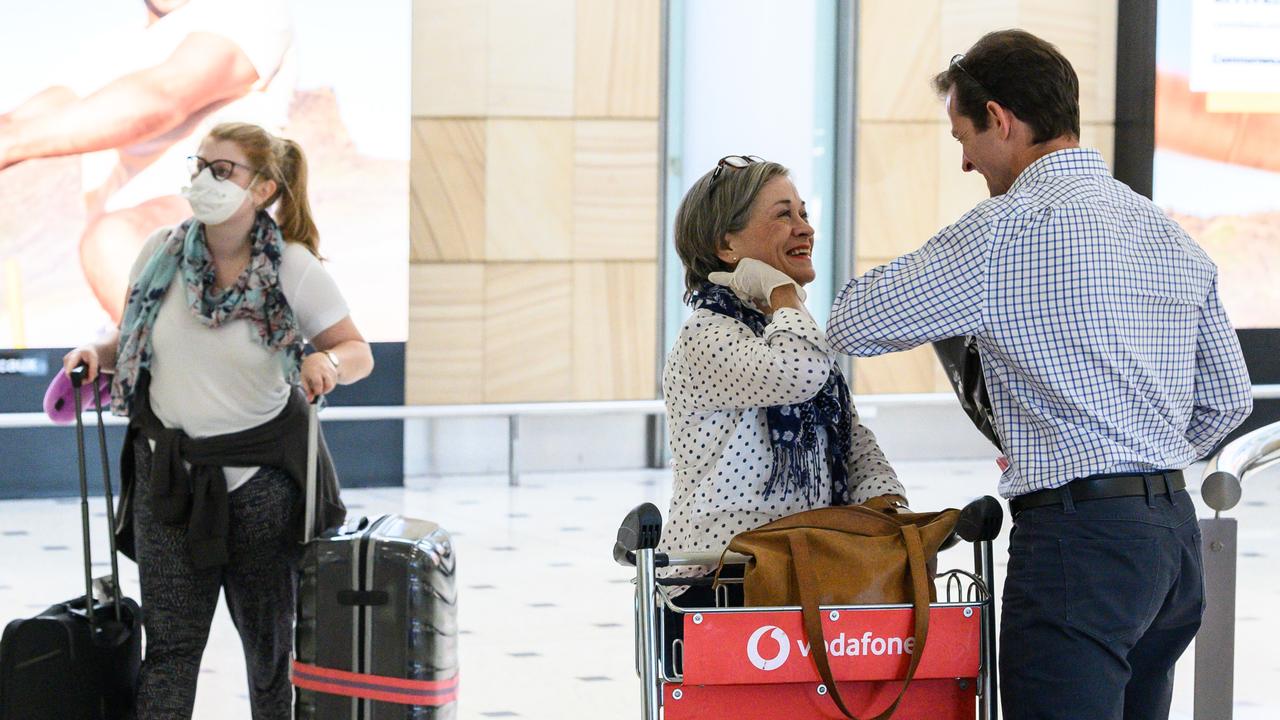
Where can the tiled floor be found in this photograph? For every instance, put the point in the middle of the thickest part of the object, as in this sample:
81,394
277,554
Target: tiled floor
547,616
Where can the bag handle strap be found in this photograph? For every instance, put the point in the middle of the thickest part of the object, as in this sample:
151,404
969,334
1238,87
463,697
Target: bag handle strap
851,518
808,586
715,582
856,520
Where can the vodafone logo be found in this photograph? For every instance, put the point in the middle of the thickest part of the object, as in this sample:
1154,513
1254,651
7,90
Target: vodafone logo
778,636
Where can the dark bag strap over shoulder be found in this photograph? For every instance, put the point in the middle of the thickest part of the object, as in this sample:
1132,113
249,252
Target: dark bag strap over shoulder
808,586
962,364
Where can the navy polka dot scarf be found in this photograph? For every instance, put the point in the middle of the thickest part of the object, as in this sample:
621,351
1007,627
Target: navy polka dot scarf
793,429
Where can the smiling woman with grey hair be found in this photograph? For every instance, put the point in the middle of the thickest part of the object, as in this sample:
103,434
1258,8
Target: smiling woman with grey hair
761,422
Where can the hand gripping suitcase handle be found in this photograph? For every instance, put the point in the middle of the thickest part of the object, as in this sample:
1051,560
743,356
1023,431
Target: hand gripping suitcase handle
78,376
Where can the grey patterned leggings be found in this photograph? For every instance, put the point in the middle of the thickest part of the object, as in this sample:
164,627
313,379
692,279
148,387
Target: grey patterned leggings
178,601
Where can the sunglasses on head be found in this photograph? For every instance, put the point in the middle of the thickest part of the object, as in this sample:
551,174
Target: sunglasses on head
220,169
955,63
736,162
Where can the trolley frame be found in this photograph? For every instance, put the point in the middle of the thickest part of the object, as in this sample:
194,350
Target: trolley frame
966,594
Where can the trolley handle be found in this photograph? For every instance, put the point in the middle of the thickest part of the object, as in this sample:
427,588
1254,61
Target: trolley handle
641,529
980,520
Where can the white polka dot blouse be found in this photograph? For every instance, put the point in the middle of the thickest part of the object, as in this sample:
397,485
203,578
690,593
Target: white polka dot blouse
718,380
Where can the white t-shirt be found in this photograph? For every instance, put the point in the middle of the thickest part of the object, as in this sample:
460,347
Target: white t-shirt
262,29
211,381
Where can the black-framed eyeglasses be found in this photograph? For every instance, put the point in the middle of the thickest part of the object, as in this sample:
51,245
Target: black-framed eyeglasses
736,162
955,63
220,169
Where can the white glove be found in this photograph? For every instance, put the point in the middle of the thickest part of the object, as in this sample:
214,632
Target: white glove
754,281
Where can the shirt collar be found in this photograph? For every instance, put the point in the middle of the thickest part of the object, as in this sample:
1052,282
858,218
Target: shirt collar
1062,163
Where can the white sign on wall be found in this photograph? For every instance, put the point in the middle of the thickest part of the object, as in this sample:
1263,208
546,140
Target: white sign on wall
1235,46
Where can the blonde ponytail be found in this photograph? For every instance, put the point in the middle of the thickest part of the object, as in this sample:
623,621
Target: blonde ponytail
293,214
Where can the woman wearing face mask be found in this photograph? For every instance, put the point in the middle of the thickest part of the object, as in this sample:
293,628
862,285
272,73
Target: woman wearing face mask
205,361
760,419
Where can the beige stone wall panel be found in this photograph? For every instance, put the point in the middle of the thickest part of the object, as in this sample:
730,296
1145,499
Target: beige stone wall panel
529,190
444,355
615,190
614,330
446,187
528,314
531,58
450,74
617,59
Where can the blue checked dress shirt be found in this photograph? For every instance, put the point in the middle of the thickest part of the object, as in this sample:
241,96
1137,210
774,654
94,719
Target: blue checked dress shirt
1104,345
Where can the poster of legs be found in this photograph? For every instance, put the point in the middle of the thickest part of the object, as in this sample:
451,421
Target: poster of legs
114,95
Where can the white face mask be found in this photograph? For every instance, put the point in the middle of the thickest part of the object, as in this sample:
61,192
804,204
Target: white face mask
213,201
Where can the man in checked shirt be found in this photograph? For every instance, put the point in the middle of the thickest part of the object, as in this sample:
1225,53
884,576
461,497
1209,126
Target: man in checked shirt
1110,366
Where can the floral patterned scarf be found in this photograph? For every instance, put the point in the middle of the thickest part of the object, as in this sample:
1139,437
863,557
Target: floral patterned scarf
793,429
256,297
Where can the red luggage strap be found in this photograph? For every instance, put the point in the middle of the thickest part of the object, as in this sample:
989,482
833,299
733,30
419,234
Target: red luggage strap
374,687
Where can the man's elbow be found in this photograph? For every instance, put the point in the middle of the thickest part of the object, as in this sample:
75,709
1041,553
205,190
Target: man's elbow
1242,407
1223,422
849,333
1246,407
1243,410
839,336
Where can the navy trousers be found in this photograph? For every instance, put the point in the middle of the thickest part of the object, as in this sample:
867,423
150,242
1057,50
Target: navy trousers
1101,599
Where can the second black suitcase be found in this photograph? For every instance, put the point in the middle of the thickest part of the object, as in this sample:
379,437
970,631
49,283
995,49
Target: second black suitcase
377,624
376,633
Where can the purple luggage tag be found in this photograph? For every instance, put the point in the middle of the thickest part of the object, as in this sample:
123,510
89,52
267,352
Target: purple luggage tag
59,404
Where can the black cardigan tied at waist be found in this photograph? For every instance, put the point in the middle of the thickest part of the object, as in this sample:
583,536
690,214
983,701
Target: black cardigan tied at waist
197,498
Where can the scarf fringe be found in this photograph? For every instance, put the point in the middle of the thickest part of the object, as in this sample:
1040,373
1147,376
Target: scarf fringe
795,469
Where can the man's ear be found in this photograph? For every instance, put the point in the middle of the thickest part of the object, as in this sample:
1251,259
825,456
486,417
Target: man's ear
1000,116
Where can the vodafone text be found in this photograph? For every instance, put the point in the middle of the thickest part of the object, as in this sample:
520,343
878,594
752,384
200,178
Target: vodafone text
840,646
868,644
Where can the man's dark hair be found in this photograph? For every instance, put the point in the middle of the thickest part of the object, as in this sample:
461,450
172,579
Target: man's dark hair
1024,74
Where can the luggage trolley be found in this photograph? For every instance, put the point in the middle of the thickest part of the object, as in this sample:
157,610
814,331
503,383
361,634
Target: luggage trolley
747,663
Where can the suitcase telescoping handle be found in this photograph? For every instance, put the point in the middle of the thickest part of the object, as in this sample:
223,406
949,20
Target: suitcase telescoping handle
313,442
77,376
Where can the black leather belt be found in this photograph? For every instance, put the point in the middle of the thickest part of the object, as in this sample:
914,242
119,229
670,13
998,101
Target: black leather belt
1101,487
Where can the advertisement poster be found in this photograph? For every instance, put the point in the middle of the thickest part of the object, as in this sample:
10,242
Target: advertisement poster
1233,46
1217,169
114,95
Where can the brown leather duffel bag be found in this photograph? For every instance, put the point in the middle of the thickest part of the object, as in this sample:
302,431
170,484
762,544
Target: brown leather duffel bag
845,556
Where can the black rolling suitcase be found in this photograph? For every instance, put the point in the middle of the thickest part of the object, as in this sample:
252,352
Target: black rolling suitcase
376,634
79,659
